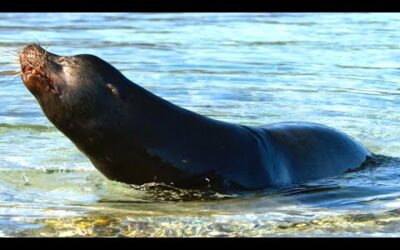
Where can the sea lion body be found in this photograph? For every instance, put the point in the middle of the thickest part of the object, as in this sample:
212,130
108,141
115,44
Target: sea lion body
136,137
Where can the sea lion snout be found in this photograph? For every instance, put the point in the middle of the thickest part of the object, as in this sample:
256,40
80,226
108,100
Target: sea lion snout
31,56
33,66
33,48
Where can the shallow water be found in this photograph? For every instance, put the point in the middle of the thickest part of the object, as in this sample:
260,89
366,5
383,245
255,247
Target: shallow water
340,70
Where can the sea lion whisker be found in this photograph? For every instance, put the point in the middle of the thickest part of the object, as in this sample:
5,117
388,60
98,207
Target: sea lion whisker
17,73
13,64
29,63
12,79
9,53
47,47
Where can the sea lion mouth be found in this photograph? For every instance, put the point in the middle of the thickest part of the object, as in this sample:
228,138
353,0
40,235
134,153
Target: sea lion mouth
33,60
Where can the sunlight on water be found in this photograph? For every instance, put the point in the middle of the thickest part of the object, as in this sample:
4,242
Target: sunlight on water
341,70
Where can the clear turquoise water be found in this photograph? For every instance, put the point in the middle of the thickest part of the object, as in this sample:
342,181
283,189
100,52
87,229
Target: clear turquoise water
341,70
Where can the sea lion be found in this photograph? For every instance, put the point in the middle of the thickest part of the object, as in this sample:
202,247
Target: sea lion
133,136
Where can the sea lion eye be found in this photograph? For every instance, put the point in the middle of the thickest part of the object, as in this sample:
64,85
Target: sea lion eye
113,90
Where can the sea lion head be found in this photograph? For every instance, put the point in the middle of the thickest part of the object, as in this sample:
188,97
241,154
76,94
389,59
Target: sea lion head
69,88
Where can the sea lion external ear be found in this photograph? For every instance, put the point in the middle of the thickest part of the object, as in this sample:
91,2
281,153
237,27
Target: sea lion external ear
113,89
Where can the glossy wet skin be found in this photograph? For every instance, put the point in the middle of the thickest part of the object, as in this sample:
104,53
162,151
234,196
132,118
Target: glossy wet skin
133,136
